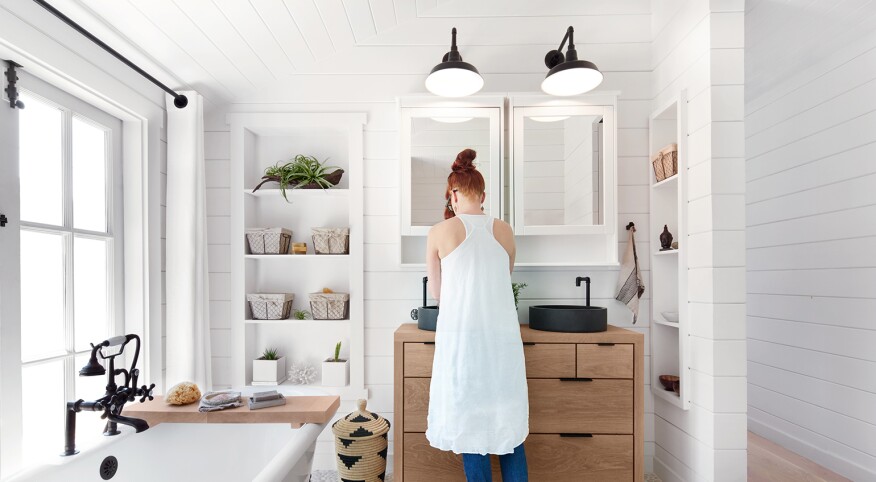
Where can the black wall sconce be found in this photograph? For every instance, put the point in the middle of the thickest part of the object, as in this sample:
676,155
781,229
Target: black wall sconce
568,75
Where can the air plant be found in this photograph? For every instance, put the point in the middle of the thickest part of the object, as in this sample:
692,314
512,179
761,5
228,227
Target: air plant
304,172
301,314
270,354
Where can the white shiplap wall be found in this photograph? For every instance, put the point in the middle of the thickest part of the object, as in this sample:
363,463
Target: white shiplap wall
811,233
698,46
390,293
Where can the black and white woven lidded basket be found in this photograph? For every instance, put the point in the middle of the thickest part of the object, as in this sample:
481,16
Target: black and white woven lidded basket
361,441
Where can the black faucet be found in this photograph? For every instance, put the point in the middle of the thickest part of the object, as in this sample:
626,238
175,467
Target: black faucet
113,401
586,280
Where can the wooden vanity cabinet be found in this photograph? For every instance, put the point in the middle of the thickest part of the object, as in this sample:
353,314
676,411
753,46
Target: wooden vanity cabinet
586,407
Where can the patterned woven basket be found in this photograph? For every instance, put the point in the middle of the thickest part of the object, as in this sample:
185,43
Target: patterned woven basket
665,162
331,240
265,306
361,441
269,241
329,306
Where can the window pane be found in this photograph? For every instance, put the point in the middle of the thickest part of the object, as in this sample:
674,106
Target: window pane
42,392
41,168
89,426
42,294
89,176
90,302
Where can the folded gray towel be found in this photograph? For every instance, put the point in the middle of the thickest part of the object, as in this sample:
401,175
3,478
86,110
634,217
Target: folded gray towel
213,401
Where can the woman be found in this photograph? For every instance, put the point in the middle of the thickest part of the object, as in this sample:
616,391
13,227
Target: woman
478,401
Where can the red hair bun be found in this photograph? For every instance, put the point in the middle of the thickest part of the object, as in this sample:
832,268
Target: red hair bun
464,161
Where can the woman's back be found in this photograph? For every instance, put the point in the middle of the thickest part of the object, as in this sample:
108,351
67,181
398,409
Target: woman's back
478,399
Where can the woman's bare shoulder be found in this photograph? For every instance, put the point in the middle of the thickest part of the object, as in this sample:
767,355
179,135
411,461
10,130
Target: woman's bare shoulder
501,227
443,227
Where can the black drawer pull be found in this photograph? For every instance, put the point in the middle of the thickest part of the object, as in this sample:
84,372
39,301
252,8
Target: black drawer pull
428,342
605,344
528,343
587,435
576,379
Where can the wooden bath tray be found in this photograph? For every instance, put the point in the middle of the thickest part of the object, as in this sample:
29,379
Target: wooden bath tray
297,411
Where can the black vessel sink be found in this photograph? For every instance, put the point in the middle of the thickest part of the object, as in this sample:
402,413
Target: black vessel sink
426,316
568,318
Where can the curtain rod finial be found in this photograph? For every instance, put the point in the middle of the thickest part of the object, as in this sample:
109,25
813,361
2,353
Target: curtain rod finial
180,101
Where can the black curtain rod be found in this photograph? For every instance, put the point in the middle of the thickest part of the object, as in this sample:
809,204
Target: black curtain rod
179,100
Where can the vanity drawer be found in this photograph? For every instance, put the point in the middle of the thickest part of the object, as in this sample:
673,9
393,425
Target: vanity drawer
605,361
555,406
543,360
596,406
549,457
418,359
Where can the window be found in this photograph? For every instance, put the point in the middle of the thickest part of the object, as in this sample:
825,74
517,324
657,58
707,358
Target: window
71,263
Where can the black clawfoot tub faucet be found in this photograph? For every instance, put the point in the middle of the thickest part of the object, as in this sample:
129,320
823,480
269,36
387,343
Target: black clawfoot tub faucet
113,401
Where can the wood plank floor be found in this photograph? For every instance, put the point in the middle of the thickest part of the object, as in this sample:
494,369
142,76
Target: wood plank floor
769,462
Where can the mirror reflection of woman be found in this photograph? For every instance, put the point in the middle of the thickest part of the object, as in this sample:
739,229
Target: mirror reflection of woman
478,401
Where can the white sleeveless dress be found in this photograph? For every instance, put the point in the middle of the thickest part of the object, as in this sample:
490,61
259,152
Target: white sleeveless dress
478,400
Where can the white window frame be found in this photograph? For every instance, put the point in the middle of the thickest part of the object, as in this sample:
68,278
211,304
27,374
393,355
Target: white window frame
72,107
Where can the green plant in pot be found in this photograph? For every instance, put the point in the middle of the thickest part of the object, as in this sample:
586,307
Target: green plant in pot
303,172
517,288
335,370
269,369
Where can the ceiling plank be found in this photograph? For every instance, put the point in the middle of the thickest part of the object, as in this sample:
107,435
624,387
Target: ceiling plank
307,18
336,23
359,14
384,14
257,35
220,32
529,8
405,10
280,23
518,30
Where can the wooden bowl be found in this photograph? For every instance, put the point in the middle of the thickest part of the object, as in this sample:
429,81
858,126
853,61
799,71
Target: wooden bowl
670,383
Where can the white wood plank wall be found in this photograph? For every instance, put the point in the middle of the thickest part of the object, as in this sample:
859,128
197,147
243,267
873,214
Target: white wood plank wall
698,46
391,292
811,233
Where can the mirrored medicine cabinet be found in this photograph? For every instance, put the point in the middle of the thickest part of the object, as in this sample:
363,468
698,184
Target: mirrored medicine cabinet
549,164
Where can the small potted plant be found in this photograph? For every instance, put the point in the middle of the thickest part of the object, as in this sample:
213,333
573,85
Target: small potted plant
301,315
269,369
517,288
304,172
336,371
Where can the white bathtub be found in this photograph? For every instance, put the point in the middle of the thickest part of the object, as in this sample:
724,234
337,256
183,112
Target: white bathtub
193,452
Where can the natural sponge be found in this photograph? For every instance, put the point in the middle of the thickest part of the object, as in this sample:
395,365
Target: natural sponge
182,394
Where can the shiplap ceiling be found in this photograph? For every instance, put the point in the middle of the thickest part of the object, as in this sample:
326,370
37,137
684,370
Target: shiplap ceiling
254,50
786,36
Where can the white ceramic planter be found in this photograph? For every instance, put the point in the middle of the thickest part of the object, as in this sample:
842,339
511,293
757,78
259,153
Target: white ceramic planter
335,373
269,371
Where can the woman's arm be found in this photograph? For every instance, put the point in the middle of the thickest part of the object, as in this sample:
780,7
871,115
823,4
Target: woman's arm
505,236
433,264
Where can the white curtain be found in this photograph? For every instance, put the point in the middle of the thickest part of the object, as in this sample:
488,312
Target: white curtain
187,282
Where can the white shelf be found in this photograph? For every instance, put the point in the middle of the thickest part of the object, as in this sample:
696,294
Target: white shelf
284,257
670,346
293,322
665,253
669,180
660,321
670,397
290,193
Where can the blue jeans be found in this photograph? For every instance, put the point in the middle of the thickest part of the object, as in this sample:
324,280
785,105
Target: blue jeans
477,467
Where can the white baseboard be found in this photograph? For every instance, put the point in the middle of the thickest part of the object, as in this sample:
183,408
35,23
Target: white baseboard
829,460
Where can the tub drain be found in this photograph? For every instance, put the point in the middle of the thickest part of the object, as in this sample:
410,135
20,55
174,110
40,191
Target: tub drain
108,467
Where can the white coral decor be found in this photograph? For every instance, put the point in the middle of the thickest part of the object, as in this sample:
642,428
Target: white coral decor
302,373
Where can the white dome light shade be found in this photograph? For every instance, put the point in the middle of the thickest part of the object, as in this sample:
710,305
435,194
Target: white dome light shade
452,120
572,78
550,118
454,79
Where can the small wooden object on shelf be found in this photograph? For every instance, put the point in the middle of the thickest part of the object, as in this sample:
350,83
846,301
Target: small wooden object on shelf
665,239
299,248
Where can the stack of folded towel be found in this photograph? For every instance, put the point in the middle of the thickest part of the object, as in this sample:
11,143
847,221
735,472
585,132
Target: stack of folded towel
213,401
